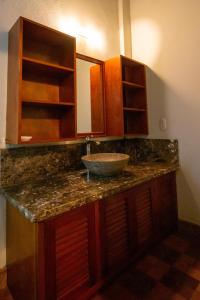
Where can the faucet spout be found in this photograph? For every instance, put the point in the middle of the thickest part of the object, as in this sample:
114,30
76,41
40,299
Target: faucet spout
88,148
88,142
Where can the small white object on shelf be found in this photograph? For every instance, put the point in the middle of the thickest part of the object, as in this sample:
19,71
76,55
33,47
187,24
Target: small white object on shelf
25,138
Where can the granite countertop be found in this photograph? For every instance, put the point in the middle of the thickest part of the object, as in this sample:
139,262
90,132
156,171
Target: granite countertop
52,196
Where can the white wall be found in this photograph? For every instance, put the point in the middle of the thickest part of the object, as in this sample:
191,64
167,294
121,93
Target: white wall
166,36
99,15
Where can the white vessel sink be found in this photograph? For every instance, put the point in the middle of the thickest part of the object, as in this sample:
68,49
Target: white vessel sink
105,164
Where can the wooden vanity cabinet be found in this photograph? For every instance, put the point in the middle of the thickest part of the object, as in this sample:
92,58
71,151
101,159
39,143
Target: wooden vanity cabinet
126,103
74,254
54,259
115,231
69,254
128,226
41,84
165,199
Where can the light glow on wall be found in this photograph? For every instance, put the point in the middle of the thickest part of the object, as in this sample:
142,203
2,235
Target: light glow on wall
93,37
146,42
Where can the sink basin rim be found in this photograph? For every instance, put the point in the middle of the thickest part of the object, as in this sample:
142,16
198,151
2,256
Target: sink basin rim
105,164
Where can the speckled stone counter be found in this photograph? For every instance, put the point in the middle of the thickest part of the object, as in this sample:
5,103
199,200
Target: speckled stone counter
54,195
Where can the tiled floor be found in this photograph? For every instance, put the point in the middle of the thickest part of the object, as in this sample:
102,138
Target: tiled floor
170,271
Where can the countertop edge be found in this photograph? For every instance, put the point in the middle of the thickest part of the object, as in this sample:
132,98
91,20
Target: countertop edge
89,198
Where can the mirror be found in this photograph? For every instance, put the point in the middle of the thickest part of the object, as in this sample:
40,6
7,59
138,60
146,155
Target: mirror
90,96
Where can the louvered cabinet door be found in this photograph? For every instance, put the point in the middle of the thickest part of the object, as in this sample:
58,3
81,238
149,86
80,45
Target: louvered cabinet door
115,232
165,194
72,253
142,215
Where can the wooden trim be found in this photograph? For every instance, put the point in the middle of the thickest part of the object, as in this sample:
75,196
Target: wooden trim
45,27
3,278
90,59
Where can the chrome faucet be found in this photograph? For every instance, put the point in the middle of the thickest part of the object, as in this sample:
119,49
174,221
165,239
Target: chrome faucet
87,140
88,144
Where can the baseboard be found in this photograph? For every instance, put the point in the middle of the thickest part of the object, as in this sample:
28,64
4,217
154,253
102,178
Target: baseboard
3,279
189,228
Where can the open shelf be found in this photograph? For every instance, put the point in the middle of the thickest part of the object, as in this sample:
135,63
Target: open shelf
42,66
132,71
134,98
135,122
48,45
132,85
134,109
126,101
51,103
47,86
47,122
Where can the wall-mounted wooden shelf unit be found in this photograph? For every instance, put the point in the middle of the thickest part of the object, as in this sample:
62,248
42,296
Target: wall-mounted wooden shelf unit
41,84
126,103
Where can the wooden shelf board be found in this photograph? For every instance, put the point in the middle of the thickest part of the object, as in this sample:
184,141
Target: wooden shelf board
47,66
133,85
135,134
38,102
134,109
47,140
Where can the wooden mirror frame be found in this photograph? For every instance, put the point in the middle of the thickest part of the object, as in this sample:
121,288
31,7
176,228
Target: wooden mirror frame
102,64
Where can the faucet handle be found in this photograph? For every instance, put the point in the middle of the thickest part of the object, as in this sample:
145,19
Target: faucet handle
87,138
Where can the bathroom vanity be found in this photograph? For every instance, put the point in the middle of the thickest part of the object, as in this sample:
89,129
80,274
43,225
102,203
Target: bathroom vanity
66,237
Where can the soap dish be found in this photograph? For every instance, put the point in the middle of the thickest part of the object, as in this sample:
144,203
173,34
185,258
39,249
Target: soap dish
26,138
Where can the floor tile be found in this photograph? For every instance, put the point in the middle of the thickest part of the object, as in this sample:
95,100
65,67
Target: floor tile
194,249
194,273
198,288
177,297
160,292
165,253
153,267
180,283
184,263
115,291
195,296
177,243
139,283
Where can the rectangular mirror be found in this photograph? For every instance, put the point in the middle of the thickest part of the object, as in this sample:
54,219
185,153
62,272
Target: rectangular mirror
90,96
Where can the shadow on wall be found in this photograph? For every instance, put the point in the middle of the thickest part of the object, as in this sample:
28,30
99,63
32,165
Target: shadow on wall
188,206
3,41
156,97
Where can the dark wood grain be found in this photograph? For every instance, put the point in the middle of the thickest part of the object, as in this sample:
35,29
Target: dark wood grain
116,232
166,203
20,255
114,103
14,83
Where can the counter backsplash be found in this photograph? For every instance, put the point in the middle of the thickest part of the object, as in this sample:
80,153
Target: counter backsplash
26,164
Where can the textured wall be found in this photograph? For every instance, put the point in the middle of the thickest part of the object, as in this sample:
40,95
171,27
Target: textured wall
165,35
